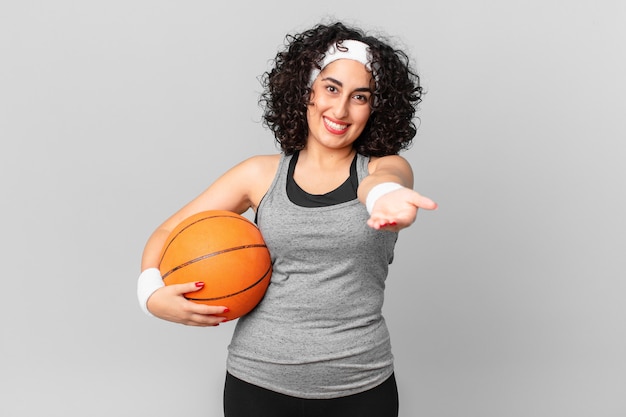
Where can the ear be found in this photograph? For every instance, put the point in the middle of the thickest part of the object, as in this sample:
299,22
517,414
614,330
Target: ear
311,96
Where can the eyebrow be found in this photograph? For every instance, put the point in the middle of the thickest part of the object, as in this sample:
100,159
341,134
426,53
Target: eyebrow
340,84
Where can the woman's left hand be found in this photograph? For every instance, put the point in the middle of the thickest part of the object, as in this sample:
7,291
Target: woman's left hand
398,209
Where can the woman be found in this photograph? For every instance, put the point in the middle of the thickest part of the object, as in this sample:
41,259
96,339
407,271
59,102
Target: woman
341,105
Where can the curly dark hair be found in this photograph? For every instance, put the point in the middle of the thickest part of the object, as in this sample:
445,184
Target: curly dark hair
390,127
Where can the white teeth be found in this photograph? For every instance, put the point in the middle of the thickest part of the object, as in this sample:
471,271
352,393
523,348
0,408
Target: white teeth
335,126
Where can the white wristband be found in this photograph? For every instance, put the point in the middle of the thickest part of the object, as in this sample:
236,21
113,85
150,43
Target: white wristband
149,281
378,191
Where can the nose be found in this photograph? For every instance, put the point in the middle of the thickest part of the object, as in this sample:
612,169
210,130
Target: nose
340,109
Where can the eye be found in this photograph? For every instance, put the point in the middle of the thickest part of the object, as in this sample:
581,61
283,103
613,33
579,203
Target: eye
331,89
363,98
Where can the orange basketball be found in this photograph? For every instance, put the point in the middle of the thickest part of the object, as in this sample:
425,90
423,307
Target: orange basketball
225,251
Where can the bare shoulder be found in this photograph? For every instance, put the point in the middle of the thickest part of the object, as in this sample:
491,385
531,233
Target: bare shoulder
259,172
389,162
259,168
262,163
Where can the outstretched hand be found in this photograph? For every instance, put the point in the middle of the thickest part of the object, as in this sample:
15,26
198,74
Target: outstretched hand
398,209
169,303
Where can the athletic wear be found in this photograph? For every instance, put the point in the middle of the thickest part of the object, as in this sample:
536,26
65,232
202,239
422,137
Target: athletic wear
319,331
242,399
342,194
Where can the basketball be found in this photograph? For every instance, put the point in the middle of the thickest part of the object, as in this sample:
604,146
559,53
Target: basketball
224,250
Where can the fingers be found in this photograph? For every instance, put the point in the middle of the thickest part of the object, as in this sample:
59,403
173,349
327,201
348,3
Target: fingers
203,315
381,224
205,309
170,303
204,320
424,202
398,209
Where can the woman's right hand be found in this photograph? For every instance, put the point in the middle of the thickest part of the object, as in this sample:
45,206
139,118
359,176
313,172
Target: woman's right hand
169,303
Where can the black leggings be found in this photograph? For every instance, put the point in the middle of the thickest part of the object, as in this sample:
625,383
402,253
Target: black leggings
242,399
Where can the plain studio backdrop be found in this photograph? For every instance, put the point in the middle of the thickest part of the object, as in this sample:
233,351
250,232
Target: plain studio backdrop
508,301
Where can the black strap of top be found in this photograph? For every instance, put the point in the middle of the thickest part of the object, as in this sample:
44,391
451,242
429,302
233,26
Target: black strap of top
344,193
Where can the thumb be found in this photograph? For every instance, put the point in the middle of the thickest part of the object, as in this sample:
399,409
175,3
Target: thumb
188,287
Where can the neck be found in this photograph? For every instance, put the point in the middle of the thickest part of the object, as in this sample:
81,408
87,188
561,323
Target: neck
327,158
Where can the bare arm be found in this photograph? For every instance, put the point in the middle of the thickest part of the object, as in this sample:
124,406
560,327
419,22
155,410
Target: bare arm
237,190
397,209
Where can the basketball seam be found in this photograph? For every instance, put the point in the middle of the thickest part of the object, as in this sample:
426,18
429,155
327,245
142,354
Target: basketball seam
236,217
210,255
254,284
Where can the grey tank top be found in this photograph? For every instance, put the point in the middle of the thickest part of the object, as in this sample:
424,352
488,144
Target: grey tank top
319,331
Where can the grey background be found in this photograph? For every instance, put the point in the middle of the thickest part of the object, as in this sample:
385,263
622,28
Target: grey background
507,301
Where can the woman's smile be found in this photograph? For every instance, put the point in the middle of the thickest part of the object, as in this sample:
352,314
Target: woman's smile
335,127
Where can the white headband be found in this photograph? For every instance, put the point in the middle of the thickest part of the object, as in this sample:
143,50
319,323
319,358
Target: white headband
346,49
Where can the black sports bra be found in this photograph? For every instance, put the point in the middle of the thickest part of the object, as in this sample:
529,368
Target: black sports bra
344,193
